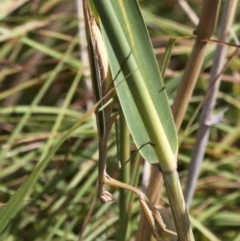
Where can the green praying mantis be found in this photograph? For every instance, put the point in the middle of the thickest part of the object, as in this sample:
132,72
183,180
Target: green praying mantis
102,84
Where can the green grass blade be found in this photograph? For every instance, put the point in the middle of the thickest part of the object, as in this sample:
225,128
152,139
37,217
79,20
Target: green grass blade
144,103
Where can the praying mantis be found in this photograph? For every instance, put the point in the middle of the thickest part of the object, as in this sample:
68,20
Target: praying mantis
101,72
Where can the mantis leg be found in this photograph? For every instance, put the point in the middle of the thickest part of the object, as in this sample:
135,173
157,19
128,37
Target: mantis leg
150,211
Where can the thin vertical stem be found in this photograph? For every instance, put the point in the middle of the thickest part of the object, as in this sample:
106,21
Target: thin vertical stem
124,154
206,114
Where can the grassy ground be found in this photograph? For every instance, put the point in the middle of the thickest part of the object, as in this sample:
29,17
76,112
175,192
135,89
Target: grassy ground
45,89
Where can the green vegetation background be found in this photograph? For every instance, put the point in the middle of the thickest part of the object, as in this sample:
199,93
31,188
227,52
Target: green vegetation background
45,89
